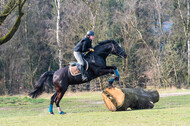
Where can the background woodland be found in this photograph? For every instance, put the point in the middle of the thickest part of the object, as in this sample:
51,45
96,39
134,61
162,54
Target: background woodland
154,34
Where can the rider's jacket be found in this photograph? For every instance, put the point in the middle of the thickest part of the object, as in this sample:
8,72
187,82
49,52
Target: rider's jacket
84,45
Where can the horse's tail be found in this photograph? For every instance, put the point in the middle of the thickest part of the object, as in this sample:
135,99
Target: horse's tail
44,78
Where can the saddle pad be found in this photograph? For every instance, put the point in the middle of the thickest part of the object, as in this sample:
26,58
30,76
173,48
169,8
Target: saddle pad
75,71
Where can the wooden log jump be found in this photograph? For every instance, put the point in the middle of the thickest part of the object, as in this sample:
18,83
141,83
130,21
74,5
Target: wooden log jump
117,99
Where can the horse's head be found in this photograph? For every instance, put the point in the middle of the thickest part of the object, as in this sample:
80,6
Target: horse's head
109,47
117,49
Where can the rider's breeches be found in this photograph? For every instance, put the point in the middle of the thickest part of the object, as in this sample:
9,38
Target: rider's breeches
78,57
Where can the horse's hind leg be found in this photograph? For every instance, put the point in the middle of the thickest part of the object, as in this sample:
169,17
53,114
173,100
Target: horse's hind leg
59,97
53,99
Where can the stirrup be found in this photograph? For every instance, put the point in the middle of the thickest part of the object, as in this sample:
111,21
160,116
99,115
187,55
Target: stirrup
84,78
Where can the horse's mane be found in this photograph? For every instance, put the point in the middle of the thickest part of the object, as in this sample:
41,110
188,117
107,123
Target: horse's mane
100,44
105,42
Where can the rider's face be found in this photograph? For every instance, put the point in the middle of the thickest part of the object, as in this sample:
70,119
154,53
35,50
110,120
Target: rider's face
91,37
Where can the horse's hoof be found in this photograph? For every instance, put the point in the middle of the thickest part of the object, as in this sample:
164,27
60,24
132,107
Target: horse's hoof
61,113
51,113
110,82
110,86
117,78
112,72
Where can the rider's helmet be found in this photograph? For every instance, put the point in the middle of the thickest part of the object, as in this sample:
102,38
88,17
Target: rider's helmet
90,33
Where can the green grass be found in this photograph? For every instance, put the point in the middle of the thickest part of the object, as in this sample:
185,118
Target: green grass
86,109
13,101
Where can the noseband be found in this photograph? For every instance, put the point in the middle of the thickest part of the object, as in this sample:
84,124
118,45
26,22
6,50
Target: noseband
114,48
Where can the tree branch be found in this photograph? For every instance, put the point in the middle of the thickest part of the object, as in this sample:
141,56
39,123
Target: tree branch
182,18
15,27
12,31
8,9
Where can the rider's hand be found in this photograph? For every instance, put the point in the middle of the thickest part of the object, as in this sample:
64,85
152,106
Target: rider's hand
92,50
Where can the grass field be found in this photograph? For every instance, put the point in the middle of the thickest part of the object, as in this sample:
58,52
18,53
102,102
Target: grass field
88,109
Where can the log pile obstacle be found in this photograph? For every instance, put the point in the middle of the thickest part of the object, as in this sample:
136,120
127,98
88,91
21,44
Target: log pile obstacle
117,99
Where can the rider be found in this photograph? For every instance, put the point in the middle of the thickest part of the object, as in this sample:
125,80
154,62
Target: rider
83,45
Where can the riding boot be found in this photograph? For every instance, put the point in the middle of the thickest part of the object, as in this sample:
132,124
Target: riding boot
84,77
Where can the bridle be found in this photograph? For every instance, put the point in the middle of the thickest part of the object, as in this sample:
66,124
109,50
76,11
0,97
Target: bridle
115,47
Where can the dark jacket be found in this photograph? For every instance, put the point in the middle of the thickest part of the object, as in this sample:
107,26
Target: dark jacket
84,45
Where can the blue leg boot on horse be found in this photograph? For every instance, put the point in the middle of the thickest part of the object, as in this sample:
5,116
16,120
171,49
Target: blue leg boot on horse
115,77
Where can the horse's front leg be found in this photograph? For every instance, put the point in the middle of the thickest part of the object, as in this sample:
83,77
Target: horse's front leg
106,71
114,77
111,67
114,68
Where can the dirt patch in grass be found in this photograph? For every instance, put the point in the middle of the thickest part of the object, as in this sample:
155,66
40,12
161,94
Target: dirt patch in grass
174,94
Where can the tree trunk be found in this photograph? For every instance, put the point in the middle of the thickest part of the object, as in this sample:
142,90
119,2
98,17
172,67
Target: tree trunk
60,57
188,40
117,99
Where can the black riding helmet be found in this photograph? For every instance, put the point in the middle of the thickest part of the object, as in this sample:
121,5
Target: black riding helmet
90,33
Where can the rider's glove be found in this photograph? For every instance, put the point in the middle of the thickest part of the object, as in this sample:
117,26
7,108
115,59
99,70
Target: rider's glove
92,50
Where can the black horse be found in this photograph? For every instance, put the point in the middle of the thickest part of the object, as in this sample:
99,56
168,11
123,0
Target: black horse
62,78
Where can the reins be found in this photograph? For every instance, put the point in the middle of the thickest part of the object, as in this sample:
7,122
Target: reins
113,48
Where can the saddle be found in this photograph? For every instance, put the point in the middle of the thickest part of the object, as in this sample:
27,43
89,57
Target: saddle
74,68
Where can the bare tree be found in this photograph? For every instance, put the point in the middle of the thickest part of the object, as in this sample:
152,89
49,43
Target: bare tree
8,9
60,54
188,38
93,7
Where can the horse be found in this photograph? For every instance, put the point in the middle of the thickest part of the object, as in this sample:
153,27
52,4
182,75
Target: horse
62,78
